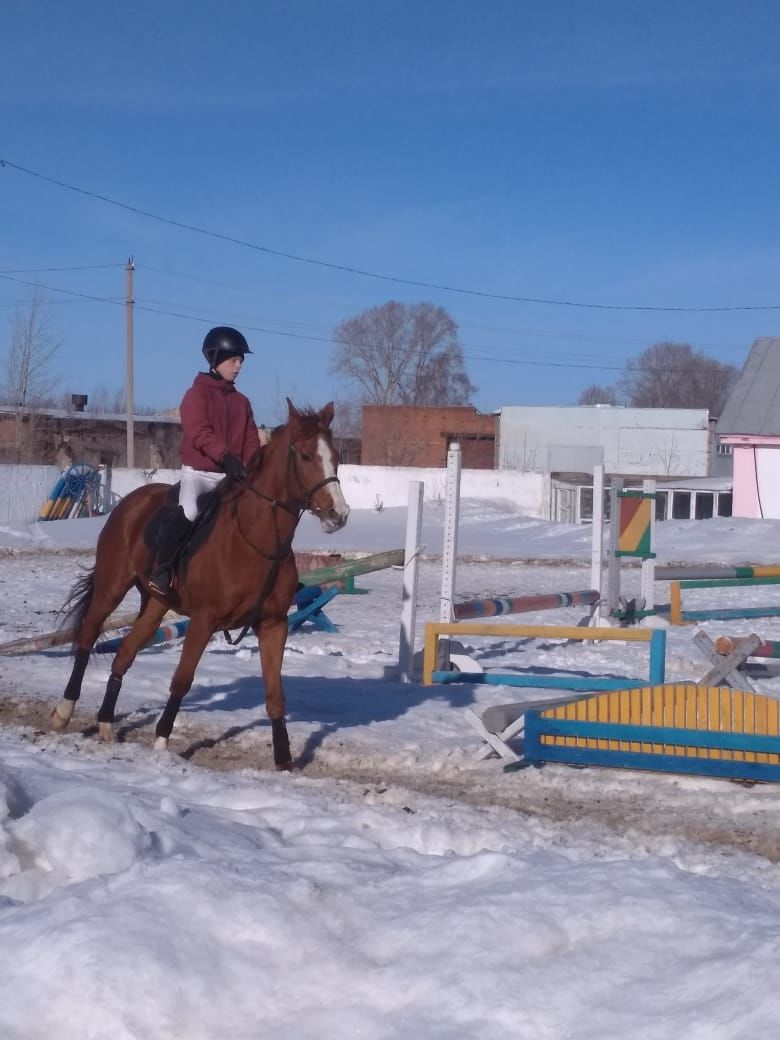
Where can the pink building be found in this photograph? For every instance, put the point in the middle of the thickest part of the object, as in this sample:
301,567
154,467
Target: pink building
750,425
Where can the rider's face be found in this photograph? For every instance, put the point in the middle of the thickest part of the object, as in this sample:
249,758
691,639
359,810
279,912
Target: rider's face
230,367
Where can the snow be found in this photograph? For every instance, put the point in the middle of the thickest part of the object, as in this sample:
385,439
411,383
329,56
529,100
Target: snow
392,886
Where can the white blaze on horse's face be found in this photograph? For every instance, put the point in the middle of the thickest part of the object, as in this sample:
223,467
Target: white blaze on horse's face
332,519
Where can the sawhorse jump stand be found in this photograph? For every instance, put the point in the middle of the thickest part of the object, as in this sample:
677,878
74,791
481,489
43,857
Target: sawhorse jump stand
725,668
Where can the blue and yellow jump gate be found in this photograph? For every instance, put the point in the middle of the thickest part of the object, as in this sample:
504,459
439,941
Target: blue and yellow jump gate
433,629
674,727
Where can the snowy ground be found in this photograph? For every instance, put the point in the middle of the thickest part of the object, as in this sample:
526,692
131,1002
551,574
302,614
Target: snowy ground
392,886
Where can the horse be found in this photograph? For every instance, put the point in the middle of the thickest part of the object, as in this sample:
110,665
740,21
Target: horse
242,575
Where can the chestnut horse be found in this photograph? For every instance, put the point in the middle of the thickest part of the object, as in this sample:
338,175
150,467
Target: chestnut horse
243,575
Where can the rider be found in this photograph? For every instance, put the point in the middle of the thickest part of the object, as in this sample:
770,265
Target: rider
218,437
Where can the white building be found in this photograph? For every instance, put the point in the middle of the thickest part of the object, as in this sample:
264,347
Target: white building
635,442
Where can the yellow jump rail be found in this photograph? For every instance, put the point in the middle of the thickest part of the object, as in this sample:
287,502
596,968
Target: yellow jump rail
434,629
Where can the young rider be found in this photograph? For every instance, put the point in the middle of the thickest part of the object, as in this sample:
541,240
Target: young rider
218,438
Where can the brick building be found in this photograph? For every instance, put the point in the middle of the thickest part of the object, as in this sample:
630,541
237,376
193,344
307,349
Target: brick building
408,435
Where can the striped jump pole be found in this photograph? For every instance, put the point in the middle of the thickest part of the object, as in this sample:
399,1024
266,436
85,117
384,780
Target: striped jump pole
671,573
164,634
479,608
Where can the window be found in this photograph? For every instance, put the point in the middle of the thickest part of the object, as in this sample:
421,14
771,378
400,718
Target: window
705,505
586,504
723,449
724,504
681,505
661,504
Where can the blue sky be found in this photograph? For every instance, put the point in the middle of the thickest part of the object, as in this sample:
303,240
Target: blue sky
619,153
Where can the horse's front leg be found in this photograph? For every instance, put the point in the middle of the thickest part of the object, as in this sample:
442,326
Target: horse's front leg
272,636
199,631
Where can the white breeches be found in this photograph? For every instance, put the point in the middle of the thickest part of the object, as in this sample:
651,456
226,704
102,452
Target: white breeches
193,483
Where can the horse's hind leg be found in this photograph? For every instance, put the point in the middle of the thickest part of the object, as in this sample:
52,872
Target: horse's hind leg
97,596
136,639
199,631
272,636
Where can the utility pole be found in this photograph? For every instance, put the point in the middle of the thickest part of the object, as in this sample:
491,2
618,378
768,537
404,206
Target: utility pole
129,301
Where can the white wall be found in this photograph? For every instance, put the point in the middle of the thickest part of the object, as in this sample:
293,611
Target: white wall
529,493
26,487
121,482
629,441
23,490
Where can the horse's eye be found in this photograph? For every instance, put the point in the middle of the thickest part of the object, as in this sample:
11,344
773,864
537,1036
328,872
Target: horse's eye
306,456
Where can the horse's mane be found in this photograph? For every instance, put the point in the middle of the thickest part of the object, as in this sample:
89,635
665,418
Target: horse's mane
309,420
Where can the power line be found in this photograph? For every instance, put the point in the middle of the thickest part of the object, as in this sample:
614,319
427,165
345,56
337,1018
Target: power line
46,270
529,333
201,319
59,303
66,292
344,268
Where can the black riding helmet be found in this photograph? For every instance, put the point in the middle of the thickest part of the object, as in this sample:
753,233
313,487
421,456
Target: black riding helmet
222,343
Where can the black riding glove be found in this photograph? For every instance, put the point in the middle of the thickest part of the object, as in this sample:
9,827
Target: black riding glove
232,465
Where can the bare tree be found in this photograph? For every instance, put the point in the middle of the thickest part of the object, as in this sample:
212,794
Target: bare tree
29,381
598,395
403,354
348,420
103,401
674,375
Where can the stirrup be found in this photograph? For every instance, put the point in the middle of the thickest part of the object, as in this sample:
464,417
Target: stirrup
161,583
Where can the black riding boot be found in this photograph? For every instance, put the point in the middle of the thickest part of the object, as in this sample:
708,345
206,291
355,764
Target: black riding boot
173,538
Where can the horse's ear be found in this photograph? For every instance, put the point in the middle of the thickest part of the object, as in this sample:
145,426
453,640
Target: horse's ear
326,414
292,411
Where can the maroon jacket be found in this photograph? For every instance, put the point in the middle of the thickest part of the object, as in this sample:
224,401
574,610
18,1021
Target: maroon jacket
215,419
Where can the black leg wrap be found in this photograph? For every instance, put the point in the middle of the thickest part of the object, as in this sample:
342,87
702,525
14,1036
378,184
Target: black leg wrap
168,717
113,686
73,689
282,758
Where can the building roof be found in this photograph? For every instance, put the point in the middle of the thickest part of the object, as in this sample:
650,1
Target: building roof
112,417
753,406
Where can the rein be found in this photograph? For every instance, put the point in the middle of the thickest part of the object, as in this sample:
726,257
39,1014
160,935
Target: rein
283,549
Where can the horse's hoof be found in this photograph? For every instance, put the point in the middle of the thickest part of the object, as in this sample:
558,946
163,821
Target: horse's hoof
160,743
60,720
106,732
285,767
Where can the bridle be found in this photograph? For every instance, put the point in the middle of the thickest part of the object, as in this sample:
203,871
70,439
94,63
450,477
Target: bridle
295,508
308,494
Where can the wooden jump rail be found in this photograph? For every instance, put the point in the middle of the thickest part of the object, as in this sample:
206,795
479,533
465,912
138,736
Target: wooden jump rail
675,727
434,629
61,636
767,648
342,574
345,573
678,616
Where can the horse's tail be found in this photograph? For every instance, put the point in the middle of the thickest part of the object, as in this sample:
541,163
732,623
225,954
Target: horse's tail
75,607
